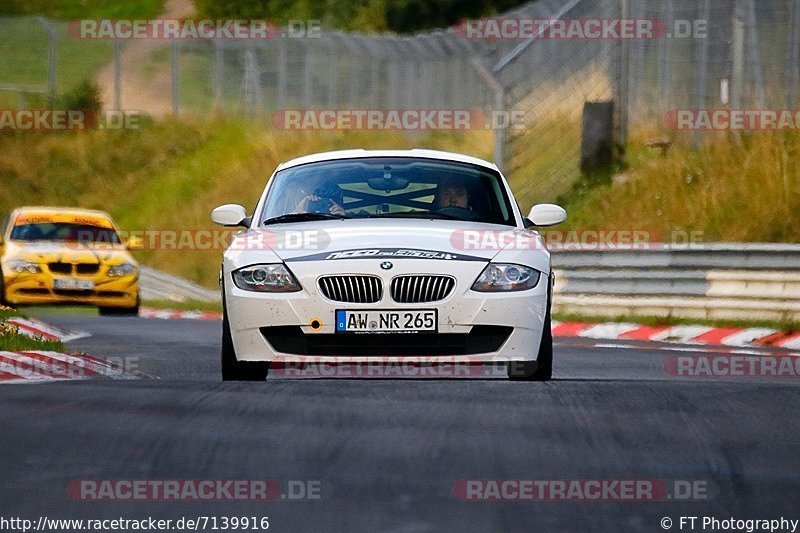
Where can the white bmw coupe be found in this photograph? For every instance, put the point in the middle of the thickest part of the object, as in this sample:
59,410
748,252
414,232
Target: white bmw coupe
361,256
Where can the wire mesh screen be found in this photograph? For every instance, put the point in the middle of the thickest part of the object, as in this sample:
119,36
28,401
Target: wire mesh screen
736,54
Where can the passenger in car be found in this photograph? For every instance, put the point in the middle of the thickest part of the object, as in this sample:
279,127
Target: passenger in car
452,192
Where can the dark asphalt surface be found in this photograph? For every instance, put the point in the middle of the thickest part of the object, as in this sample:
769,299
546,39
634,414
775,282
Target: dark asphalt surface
388,452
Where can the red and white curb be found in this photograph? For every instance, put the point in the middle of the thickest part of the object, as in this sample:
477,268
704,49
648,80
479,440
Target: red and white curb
35,328
698,335
167,314
34,366
39,366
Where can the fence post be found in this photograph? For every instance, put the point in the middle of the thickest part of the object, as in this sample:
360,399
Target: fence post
52,60
755,54
393,82
499,126
308,79
737,87
281,97
623,96
664,79
374,82
793,55
176,72
252,83
702,67
332,62
219,66
117,74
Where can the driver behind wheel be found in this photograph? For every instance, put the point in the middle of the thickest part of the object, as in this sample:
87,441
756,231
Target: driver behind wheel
326,198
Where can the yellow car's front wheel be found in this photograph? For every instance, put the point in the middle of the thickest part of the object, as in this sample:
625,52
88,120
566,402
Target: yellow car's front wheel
2,291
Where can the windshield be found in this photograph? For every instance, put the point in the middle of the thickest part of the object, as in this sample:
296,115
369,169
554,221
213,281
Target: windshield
392,187
65,232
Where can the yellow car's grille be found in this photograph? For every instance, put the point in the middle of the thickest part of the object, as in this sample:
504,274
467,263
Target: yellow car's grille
80,269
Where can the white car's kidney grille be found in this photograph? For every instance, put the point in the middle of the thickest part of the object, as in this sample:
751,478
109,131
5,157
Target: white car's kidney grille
421,289
352,289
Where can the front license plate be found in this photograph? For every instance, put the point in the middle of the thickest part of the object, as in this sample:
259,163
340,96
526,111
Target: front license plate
378,321
73,284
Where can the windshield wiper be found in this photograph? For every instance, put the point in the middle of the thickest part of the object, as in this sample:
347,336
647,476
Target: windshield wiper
302,217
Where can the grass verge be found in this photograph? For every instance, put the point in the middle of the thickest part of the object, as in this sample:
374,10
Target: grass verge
169,175
729,189
11,340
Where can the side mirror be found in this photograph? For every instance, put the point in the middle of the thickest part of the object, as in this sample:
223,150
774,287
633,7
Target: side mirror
230,215
547,215
134,243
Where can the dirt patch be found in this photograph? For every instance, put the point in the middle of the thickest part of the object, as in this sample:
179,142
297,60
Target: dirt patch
146,87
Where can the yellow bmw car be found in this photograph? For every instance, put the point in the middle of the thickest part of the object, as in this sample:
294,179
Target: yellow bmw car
67,256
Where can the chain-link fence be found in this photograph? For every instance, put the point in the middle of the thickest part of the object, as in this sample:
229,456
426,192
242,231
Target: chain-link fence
708,54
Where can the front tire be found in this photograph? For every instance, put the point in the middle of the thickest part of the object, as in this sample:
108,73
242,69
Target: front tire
542,368
3,301
232,368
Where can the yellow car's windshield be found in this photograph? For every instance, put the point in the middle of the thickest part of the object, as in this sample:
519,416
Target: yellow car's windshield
64,232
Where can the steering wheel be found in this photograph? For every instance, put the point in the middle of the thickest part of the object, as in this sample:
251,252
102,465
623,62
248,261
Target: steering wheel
462,213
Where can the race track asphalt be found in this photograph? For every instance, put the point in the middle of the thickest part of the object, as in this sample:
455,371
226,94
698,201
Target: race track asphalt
387,453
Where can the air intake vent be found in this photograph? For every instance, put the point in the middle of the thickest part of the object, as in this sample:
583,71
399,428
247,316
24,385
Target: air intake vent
421,289
87,269
352,289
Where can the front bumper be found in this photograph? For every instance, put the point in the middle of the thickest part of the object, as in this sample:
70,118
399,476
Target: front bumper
473,327
38,289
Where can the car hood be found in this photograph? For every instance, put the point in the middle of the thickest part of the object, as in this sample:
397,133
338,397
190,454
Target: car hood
378,238
48,251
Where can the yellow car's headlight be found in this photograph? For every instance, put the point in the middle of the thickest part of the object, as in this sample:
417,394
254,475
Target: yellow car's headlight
21,266
125,269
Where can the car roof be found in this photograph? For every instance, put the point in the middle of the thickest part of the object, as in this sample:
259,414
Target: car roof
31,210
418,153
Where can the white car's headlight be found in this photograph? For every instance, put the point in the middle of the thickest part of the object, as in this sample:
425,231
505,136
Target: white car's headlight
125,269
19,266
266,278
503,277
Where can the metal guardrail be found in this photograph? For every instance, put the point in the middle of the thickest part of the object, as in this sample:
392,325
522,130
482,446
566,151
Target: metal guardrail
718,281
157,285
